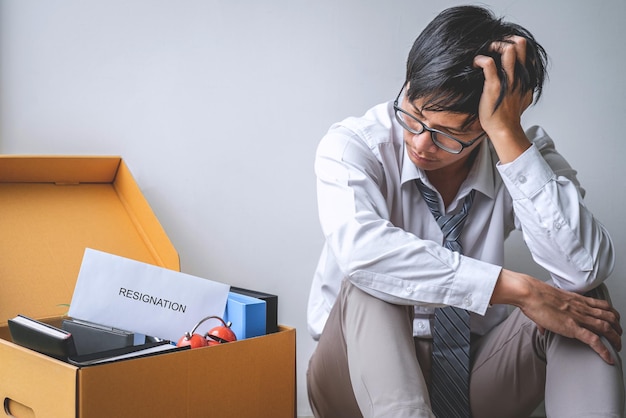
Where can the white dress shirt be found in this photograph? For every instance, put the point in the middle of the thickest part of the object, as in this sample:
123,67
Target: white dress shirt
381,236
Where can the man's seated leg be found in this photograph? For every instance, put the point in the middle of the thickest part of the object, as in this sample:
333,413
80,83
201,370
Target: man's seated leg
579,383
508,371
515,366
365,363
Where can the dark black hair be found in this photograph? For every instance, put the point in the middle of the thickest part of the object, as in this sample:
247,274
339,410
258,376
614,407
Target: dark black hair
440,64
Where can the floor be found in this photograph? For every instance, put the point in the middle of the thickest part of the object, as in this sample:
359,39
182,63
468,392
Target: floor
539,413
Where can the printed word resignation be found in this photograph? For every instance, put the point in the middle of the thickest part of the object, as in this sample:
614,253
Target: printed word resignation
154,300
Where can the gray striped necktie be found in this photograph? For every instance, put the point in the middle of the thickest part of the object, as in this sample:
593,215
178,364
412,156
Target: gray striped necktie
449,392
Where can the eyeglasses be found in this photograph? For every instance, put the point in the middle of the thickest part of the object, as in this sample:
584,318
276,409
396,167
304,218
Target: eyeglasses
441,139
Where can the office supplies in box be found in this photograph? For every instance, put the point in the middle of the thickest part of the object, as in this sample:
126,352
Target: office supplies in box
247,315
60,343
91,338
52,209
124,353
42,337
271,306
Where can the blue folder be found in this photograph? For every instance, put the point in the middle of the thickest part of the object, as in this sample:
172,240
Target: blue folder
247,314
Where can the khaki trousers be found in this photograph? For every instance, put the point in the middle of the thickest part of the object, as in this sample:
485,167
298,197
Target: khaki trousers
367,364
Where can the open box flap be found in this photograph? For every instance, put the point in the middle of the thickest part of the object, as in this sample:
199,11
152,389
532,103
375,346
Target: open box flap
51,209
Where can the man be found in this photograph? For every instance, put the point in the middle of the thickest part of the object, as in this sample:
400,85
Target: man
452,144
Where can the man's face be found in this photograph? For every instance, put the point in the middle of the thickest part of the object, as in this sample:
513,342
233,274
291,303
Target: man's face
422,150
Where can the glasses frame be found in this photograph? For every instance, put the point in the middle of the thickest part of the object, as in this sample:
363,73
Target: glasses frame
433,132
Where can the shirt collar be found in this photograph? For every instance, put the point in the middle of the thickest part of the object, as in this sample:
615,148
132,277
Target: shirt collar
481,177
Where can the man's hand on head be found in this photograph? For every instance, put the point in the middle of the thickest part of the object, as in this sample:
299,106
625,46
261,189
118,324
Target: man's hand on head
500,115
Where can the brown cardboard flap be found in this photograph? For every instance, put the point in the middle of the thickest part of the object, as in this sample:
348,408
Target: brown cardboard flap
146,223
51,209
57,169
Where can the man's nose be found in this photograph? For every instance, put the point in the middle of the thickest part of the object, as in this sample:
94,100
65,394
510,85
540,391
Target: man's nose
424,141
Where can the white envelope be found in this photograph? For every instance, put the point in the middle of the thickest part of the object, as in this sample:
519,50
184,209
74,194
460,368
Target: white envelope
143,298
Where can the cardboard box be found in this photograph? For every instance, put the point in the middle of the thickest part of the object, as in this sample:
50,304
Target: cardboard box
51,209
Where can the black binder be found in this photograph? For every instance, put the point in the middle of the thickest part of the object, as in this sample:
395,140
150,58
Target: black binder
125,353
91,338
42,337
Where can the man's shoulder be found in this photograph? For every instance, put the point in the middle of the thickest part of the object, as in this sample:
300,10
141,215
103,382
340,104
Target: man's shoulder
374,128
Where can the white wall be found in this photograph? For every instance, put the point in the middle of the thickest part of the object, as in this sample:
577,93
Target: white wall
217,107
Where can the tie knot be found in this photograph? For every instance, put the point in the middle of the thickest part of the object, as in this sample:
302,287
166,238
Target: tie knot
430,197
451,225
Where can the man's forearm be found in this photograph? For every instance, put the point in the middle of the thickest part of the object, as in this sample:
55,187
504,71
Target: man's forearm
565,313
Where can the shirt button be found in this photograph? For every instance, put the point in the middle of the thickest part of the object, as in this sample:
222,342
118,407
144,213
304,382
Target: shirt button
522,179
409,289
468,300
420,325
557,225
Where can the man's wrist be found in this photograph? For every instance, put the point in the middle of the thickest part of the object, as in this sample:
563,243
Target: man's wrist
510,144
511,288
